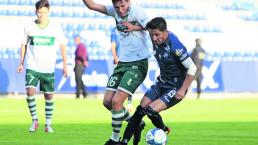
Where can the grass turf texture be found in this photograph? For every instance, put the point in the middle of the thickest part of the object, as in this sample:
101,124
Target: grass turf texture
87,122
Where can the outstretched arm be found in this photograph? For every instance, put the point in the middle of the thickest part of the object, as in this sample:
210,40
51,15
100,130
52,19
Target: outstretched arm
94,6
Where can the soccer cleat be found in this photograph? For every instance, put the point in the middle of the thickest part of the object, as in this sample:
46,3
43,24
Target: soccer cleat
167,130
48,129
34,126
137,133
111,142
121,143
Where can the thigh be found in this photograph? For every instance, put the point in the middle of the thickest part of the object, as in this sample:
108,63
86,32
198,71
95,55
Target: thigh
114,80
134,76
154,92
31,79
168,97
47,81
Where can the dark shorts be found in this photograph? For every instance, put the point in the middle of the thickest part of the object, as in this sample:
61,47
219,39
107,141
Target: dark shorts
164,92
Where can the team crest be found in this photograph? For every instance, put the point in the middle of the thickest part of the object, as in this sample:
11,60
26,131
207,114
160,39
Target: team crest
179,52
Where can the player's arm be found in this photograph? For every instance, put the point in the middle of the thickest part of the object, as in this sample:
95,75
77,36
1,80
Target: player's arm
113,50
22,57
64,57
131,27
95,6
191,70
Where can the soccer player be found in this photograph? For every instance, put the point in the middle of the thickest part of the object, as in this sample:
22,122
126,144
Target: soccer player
40,41
176,74
132,67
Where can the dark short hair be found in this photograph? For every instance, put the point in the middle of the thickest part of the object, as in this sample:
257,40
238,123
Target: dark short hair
42,3
114,1
157,23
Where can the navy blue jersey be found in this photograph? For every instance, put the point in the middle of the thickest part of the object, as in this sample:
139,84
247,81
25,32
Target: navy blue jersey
170,56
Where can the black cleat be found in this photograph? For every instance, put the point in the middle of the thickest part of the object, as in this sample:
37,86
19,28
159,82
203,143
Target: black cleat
137,133
167,130
111,142
121,143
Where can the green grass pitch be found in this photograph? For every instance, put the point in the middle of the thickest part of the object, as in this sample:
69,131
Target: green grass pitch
87,122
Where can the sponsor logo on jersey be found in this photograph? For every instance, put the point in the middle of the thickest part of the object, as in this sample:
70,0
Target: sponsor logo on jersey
42,40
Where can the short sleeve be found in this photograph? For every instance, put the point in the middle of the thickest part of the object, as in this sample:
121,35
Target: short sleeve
140,16
25,37
179,49
113,35
110,10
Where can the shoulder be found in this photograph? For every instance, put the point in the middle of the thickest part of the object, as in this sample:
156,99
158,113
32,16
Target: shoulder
135,9
54,24
173,40
30,24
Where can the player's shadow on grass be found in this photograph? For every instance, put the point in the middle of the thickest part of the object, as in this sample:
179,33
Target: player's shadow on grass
4,80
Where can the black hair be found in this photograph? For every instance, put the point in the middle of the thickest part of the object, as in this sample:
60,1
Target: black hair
42,3
157,23
114,1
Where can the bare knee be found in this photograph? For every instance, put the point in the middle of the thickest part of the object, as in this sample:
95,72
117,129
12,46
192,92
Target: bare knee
48,96
117,104
118,100
30,91
107,101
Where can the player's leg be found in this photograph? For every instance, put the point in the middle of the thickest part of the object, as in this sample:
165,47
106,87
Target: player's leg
151,95
47,86
49,107
110,92
31,83
135,122
129,103
166,101
119,113
153,113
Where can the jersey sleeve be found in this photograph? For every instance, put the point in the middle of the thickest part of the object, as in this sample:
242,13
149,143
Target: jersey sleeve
25,37
140,16
179,49
110,10
113,35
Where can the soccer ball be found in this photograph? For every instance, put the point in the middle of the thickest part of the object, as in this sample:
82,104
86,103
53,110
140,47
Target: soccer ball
156,136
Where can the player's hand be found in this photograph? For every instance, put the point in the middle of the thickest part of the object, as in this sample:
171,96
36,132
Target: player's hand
20,68
130,26
180,94
65,71
115,60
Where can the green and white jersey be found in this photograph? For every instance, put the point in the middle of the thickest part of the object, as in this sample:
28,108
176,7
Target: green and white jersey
42,45
133,44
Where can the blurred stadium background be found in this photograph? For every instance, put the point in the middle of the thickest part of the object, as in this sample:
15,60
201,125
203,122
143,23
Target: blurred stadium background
228,28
